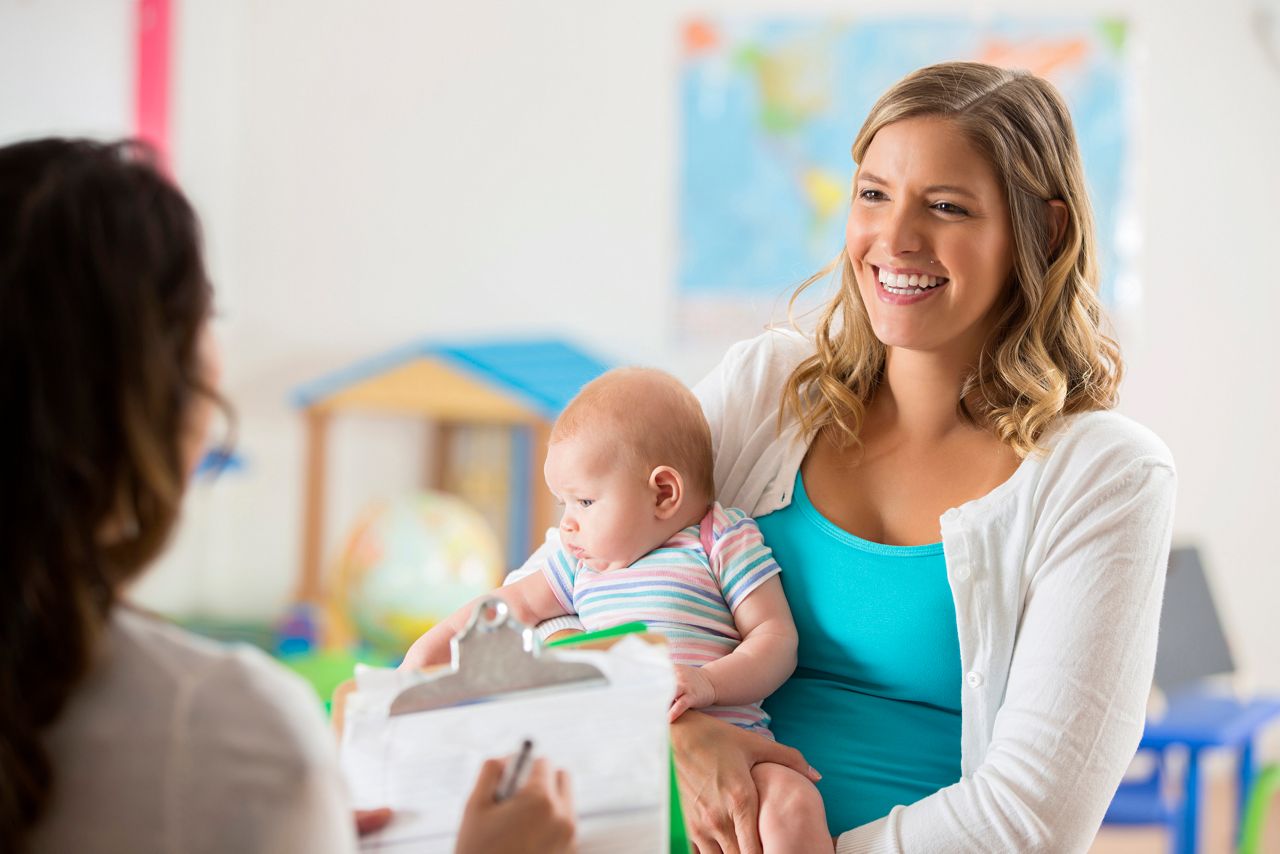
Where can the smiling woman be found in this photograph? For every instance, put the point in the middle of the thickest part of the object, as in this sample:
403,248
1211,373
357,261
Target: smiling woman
971,545
982,183
907,223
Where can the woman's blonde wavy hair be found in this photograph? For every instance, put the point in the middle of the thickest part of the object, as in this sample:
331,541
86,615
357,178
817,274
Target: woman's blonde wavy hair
1049,354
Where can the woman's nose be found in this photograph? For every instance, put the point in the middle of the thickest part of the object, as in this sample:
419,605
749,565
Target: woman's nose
900,232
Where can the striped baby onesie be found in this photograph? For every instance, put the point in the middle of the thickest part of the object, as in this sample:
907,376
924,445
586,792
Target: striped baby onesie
686,589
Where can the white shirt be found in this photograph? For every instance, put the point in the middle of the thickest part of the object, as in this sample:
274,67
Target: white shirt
176,744
1057,577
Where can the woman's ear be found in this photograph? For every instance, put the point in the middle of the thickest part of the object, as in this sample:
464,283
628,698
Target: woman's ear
1057,223
668,491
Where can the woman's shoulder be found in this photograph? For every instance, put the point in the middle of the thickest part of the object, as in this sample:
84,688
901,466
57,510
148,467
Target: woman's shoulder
238,741
1106,436
775,351
225,689
1091,457
749,379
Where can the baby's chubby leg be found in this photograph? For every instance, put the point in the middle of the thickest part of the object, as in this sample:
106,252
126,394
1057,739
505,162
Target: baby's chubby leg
792,818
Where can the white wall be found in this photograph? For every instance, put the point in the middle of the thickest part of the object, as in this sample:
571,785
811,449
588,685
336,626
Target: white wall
65,66
374,172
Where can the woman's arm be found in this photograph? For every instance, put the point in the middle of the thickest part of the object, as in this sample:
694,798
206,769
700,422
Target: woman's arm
1078,683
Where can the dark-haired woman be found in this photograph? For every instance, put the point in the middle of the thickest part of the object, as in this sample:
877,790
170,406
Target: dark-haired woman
120,733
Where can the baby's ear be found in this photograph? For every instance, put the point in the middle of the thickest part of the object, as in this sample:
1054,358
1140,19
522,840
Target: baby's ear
668,491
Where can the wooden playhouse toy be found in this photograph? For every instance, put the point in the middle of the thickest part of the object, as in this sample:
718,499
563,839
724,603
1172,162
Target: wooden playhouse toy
491,405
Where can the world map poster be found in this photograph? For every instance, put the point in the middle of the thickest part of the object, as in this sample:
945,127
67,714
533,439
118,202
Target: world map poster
769,109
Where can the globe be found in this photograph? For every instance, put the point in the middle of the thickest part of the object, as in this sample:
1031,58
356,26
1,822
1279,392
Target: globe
410,562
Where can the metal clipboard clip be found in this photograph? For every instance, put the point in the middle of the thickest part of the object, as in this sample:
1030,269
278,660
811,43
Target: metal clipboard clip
494,655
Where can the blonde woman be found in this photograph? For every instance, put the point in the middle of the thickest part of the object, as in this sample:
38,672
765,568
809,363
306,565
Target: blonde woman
973,544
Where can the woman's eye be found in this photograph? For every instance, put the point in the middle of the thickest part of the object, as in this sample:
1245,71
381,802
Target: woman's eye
950,208
585,502
871,195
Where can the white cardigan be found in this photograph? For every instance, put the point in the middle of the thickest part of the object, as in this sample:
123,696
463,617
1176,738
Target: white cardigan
1057,576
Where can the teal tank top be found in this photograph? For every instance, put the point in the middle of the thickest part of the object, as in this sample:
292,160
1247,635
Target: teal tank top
874,703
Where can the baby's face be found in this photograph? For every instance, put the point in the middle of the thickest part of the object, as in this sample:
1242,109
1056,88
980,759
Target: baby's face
609,509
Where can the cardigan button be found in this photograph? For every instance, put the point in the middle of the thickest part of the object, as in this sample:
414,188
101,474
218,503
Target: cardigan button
962,572
974,679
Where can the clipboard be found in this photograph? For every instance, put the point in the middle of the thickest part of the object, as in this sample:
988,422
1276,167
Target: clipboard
494,656
595,705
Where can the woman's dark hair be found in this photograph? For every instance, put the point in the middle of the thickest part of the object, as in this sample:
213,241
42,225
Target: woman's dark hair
103,296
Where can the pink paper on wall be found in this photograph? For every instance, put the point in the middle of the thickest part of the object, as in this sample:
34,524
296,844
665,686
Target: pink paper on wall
151,94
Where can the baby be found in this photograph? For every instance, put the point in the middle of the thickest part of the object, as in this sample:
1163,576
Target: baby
642,538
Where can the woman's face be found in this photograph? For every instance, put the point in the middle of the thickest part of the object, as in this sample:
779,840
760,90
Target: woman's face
200,415
929,237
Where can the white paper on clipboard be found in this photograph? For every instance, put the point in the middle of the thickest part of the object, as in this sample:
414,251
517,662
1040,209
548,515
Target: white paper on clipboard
612,739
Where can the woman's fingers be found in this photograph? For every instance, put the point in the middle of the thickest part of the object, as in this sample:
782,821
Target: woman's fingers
367,821
486,786
537,819
780,754
704,844
730,826
564,790
743,835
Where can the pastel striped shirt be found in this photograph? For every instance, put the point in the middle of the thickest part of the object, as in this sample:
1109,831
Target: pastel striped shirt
686,589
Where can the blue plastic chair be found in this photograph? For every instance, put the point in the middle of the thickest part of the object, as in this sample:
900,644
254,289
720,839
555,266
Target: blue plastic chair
1146,802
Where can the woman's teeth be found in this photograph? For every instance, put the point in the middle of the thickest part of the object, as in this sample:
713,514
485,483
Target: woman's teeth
904,285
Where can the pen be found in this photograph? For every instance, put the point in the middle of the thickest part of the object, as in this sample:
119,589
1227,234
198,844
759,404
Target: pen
514,775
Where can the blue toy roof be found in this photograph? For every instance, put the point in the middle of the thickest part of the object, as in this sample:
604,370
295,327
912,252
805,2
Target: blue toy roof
542,373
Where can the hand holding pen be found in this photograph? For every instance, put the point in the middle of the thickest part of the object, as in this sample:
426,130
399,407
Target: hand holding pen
536,814
516,772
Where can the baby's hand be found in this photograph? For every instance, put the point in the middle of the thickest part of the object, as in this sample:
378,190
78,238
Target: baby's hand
429,650
693,690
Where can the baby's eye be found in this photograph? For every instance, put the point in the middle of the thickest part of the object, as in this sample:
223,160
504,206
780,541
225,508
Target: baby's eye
585,502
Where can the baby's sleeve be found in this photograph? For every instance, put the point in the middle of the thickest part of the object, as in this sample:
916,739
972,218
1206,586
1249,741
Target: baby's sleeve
560,569
740,560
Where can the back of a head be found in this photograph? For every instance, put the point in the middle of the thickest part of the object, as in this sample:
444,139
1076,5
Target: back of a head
103,296
651,417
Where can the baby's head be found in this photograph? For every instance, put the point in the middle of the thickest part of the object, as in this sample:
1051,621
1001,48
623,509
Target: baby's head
630,459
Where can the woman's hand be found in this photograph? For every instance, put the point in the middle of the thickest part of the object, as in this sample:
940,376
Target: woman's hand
713,766
538,818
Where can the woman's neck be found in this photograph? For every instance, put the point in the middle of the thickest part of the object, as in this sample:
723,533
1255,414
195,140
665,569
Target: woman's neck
917,397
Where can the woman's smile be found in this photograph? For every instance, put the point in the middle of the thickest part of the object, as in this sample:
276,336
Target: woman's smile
899,286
